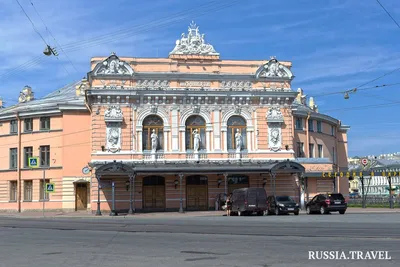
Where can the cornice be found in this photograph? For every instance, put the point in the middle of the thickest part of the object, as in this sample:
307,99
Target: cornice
314,115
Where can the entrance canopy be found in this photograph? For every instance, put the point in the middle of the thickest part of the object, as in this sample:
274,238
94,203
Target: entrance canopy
192,167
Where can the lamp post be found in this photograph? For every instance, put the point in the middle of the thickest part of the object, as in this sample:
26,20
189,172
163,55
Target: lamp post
98,211
180,189
131,204
390,192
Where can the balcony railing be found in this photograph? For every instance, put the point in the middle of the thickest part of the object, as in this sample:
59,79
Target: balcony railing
149,155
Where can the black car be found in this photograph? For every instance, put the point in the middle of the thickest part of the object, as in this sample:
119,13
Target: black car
282,205
325,203
246,201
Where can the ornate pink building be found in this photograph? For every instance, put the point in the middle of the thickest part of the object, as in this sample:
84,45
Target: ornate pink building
168,133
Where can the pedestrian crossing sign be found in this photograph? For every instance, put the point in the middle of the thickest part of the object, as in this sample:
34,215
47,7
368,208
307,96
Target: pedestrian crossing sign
50,188
33,162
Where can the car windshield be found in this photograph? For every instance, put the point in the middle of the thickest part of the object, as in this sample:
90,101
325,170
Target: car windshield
284,198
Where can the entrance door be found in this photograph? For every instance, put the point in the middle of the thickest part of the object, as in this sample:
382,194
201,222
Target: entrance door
81,196
153,193
196,193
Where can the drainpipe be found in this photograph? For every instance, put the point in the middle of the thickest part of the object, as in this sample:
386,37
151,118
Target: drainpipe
19,162
307,148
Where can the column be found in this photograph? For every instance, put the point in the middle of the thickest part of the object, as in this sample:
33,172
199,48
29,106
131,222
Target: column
217,131
175,130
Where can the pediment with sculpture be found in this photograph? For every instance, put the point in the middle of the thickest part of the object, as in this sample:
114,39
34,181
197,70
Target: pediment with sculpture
112,66
274,69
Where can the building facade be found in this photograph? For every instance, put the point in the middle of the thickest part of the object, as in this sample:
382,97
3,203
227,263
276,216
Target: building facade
149,134
386,170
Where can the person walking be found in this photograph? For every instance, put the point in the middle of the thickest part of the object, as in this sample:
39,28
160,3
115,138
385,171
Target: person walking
228,205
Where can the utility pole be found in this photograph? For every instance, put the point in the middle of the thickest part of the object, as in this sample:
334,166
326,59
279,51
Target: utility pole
44,186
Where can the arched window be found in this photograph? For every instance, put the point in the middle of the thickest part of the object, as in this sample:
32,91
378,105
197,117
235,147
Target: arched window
195,123
236,123
151,123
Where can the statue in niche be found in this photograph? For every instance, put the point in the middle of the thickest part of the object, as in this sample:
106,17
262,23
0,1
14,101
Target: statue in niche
113,136
154,141
196,137
238,138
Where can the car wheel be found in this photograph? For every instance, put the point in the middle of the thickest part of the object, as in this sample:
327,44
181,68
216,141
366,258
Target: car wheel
323,210
342,211
276,211
308,210
296,213
260,213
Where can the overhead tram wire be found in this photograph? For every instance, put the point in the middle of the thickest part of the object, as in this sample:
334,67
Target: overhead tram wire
78,45
59,46
158,24
387,12
33,25
358,89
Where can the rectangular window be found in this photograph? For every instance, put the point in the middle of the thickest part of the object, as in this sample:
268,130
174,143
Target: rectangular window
13,127
300,150
311,150
319,127
311,125
42,191
28,125
320,154
45,123
44,156
299,124
13,190
28,151
333,128
13,158
28,190
333,155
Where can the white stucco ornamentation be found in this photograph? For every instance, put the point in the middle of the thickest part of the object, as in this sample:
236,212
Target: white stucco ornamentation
275,119
193,43
113,117
113,114
113,136
274,69
113,66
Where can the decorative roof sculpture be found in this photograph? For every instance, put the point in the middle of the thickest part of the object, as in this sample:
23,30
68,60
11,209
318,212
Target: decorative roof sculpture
26,95
193,44
274,69
113,66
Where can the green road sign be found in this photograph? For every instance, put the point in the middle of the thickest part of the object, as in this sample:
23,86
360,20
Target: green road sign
33,162
50,188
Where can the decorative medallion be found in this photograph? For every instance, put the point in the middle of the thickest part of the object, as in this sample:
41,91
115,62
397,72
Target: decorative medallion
236,85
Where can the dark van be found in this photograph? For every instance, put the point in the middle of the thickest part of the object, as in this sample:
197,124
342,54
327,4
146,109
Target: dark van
246,201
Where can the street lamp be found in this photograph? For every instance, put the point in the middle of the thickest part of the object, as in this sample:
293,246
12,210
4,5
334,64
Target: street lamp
180,189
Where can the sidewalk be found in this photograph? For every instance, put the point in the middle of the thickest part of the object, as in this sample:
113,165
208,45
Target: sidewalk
84,214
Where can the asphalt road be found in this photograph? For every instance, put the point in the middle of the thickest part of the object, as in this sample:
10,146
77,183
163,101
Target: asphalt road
266,241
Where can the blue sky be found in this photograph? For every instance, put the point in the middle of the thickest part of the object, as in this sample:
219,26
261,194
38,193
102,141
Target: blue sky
334,46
